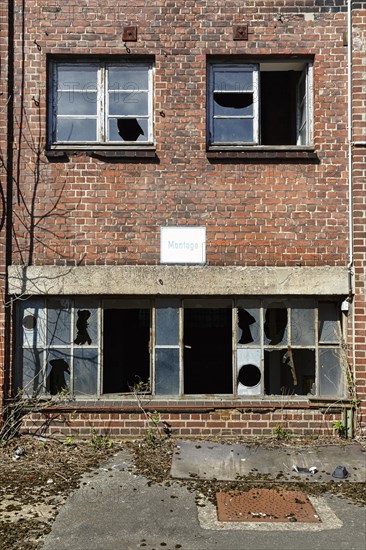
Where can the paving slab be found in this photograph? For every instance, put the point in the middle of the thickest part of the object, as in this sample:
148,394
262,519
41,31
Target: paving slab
228,462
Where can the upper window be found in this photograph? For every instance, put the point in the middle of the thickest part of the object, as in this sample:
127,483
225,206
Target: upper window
264,103
101,103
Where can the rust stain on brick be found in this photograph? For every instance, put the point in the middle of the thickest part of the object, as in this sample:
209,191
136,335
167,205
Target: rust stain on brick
265,505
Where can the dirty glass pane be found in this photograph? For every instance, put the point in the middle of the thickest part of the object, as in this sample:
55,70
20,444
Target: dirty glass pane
275,323
328,322
33,322
77,77
33,380
238,81
129,79
86,330
58,322
330,373
248,319
167,324
85,371
126,104
167,371
77,103
128,129
302,323
58,370
76,129
233,129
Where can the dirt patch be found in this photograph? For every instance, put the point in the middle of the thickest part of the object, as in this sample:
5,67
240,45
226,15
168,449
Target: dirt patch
37,475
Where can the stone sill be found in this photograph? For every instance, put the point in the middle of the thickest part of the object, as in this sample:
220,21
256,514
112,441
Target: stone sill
263,153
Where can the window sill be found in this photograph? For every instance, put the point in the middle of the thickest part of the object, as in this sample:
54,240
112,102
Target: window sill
104,152
263,152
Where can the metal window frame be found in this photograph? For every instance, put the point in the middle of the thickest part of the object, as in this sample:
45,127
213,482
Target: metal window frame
100,305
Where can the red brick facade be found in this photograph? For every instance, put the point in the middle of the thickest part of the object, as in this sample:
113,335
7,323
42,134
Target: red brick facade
272,208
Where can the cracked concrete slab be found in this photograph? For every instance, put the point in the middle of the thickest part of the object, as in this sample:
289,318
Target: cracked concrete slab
229,462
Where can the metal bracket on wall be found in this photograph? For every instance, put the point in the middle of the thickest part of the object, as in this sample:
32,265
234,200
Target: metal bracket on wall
241,32
129,34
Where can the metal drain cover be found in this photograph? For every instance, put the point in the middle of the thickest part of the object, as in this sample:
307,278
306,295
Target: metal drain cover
265,505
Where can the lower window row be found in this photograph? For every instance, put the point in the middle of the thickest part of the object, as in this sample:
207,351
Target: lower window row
173,347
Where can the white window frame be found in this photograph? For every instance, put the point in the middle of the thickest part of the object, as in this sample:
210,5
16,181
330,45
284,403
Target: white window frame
102,116
222,67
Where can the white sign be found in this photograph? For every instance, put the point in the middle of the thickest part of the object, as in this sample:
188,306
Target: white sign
182,245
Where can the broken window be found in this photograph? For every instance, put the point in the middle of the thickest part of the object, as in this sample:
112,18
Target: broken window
244,347
126,345
264,103
207,348
101,102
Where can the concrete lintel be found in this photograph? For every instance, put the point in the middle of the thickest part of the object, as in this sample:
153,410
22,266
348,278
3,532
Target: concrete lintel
177,280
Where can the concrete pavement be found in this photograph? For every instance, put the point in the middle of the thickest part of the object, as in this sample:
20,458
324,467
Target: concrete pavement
116,509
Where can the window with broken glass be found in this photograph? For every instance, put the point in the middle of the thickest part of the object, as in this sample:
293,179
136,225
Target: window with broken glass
105,103
268,103
241,348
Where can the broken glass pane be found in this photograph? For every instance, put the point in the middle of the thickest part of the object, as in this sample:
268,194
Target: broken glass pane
248,371
58,322
85,371
58,371
302,323
167,323
275,324
167,371
328,322
289,372
86,331
248,329
330,373
33,373
33,319
128,129
233,104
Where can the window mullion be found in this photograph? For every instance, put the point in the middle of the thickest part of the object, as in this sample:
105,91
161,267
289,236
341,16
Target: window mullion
101,98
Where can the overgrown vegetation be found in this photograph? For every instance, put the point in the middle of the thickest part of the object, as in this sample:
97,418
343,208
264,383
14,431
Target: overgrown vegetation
16,408
156,430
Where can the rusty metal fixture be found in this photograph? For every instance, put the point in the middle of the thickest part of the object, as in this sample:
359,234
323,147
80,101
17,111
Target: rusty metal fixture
265,505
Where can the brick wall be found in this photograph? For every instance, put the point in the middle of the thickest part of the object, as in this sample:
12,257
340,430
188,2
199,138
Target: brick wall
3,181
96,211
85,210
359,205
192,424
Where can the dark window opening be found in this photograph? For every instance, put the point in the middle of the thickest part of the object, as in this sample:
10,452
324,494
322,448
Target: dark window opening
207,351
289,372
278,107
126,358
